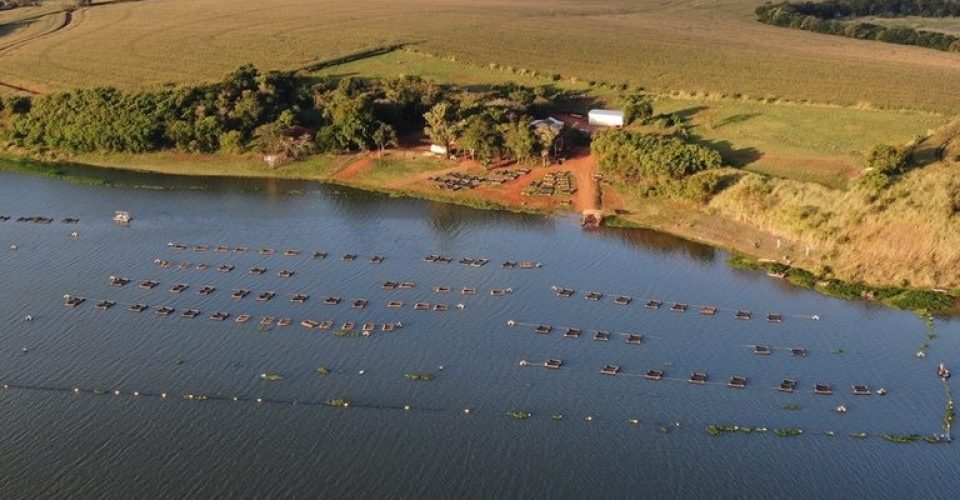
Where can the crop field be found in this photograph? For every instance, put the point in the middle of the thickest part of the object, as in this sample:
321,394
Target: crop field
704,47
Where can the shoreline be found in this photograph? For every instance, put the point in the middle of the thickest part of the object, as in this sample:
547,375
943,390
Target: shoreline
739,258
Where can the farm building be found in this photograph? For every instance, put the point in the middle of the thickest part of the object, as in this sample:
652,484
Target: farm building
606,117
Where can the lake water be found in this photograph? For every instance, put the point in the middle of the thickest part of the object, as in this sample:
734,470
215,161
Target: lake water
643,438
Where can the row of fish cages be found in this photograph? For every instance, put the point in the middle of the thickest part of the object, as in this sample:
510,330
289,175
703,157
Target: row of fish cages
38,219
480,262
576,333
677,307
553,184
266,252
456,181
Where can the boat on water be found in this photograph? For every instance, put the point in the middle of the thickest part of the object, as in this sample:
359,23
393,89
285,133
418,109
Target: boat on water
121,217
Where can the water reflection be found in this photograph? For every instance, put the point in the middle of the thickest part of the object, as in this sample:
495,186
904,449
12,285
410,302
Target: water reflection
662,243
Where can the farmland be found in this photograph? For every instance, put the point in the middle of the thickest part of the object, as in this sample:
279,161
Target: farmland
691,46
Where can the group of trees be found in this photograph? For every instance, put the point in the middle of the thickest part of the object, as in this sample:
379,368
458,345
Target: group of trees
657,164
828,18
883,162
283,115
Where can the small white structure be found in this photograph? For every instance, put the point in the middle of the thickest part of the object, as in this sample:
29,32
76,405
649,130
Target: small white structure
438,149
605,117
549,121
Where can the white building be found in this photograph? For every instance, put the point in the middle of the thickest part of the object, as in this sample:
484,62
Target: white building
605,117
549,121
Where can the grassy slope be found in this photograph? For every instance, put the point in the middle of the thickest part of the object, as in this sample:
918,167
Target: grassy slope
689,45
949,25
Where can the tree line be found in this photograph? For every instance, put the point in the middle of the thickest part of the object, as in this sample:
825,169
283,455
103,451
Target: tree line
832,18
284,114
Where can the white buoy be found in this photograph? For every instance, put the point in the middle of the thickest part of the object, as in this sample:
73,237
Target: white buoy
406,407
511,323
13,247
74,235
361,372
589,418
28,317
163,396
259,400
466,411
136,394
76,390
440,367
116,393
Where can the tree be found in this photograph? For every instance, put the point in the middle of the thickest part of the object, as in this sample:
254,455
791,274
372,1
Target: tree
519,139
546,137
638,106
481,138
886,159
384,135
440,126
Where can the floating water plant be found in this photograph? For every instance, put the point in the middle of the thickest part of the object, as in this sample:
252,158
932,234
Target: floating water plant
419,377
557,416
788,432
791,406
339,403
345,333
323,370
271,377
836,350
519,415
179,361
901,438
859,435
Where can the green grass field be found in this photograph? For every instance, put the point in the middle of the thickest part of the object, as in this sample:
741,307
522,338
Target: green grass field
712,47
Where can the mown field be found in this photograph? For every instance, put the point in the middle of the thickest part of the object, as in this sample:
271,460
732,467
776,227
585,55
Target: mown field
706,47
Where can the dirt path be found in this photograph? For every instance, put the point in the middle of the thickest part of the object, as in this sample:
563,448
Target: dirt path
587,195
352,169
18,88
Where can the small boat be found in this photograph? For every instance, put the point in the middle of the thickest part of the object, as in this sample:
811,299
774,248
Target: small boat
553,364
466,261
137,308
775,318
243,318
742,315
206,290
395,304
480,262
623,300
762,350
594,296
601,336
390,285
240,293
822,389
698,378
185,265
121,217
203,267
241,249
653,304
219,316
787,385
257,271
299,298
163,311
360,303
443,260
861,390
572,333
348,326
737,382
179,287
708,310
149,284
225,268
266,296
368,327
331,300
543,329
798,351
634,338
468,291
190,313
431,258
500,292
610,369
680,308
285,273
653,375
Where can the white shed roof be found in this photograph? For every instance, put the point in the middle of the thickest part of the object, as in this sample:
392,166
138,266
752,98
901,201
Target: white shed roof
606,112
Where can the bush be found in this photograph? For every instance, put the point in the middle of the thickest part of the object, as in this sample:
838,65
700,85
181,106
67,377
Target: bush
231,142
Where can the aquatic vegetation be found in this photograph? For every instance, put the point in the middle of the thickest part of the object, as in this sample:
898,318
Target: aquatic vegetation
791,406
419,377
323,370
859,435
518,415
716,430
345,333
901,438
339,403
271,377
836,350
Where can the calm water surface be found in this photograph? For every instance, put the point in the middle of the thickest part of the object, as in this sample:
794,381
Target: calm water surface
57,444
